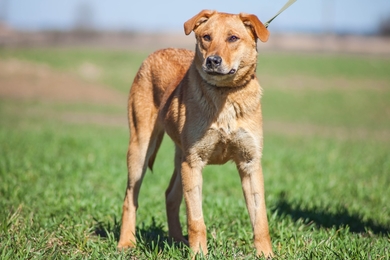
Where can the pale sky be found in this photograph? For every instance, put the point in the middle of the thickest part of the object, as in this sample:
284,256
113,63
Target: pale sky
156,15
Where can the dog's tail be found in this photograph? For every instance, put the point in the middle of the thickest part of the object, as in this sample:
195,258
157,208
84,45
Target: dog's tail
159,137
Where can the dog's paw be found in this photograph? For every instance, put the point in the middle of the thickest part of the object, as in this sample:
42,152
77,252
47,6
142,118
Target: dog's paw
124,245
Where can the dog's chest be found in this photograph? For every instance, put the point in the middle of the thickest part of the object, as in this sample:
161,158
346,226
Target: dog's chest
226,139
221,145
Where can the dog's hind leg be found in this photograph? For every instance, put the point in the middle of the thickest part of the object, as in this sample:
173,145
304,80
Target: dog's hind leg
138,157
145,139
173,198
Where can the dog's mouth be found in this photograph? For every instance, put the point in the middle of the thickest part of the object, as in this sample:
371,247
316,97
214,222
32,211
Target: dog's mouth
220,73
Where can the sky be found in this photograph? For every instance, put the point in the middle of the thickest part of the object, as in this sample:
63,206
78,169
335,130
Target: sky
349,16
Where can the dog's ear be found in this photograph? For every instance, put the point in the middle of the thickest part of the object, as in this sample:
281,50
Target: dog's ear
258,28
198,19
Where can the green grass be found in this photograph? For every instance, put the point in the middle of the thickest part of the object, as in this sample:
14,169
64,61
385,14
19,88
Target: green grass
118,67
347,108
62,184
324,65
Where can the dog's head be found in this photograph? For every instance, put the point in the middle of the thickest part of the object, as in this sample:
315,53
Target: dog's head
226,52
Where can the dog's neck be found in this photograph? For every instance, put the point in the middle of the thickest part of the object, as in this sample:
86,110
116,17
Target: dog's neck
226,102
230,89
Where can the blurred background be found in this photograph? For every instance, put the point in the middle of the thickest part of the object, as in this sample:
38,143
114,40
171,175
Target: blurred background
330,25
66,67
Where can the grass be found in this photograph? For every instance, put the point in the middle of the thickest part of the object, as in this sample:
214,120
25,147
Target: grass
62,183
118,67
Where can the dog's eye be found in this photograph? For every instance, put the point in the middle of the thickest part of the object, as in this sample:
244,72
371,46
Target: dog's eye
233,38
207,37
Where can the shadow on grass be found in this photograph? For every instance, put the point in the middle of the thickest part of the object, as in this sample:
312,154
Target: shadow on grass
105,230
325,219
150,237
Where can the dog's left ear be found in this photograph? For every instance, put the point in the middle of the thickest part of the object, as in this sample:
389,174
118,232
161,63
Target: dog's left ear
256,25
197,20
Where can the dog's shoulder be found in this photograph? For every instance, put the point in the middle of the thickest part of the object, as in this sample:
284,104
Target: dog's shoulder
171,56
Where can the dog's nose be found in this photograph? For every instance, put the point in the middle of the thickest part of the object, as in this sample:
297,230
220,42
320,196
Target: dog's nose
213,61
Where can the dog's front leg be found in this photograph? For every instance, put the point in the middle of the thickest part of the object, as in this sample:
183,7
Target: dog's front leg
192,188
253,186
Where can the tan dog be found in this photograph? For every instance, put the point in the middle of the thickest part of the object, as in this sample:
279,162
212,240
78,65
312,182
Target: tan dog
208,102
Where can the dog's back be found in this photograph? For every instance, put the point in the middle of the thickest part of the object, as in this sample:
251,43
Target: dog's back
162,70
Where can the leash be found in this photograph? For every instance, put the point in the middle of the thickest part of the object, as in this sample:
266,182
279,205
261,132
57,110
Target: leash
290,2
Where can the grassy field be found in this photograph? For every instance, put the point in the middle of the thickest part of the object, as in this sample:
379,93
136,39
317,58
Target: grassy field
326,163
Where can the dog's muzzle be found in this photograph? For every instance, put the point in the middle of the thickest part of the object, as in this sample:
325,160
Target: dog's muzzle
213,66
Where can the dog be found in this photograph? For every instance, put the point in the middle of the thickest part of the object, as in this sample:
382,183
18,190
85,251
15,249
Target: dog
208,102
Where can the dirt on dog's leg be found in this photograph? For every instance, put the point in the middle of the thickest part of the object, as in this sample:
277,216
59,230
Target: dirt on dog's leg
173,197
192,188
253,188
